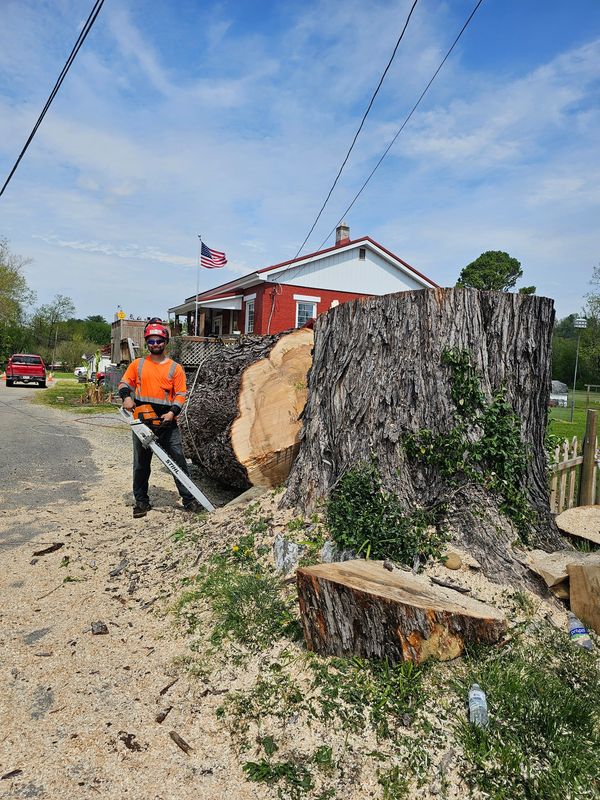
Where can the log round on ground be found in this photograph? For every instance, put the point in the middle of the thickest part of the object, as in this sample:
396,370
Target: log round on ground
378,375
242,422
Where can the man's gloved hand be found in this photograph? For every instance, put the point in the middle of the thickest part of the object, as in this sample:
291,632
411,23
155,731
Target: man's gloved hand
167,419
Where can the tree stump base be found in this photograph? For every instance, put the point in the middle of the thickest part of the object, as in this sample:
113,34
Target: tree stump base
360,608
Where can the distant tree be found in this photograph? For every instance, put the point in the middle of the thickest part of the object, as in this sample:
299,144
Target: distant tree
527,290
46,324
70,352
15,297
97,329
494,270
14,292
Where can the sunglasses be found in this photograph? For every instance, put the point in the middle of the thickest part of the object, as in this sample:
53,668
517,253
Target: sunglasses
155,341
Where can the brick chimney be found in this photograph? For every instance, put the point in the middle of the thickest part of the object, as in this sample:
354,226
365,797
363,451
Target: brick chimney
342,234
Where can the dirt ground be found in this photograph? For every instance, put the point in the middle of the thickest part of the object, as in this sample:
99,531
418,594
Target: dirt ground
78,709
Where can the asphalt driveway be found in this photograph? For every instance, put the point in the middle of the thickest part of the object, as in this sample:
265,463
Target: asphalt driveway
44,461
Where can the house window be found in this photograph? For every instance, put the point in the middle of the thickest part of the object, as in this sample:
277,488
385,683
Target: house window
249,316
362,253
304,312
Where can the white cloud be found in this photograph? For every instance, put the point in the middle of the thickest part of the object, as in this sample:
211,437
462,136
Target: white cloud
139,154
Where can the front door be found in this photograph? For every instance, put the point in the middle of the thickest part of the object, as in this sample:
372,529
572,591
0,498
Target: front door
217,325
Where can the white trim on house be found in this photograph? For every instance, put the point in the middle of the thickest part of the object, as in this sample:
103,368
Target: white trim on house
247,317
308,298
231,303
306,302
249,297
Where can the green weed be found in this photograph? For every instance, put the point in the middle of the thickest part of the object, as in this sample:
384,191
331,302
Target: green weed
394,783
295,776
543,739
185,535
256,522
348,692
246,601
362,516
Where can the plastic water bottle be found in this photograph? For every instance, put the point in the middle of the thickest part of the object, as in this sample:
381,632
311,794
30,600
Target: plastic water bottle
578,632
478,710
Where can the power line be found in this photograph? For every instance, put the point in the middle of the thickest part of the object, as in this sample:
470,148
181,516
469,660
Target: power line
76,47
412,111
389,64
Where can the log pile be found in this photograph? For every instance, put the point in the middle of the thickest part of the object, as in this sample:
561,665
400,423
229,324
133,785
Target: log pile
378,375
242,419
360,608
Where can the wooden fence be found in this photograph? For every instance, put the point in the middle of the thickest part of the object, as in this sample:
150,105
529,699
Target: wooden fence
574,480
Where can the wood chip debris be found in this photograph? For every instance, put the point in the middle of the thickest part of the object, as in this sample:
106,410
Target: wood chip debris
181,743
99,628
50,549
447,585
166,688
119,568
162,714
12,774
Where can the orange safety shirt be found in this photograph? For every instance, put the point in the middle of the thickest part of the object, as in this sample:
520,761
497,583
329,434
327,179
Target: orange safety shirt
162,384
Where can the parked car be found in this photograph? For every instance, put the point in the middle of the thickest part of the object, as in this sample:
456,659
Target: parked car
25,368
80,371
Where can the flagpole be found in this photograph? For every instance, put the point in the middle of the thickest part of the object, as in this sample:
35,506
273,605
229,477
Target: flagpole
197,285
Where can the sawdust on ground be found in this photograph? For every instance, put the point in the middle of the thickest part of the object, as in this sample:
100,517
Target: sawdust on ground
78,711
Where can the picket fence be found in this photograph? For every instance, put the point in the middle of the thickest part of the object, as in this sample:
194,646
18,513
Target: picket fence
566,474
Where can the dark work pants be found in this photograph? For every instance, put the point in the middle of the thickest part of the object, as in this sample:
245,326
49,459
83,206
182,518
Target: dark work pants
170,441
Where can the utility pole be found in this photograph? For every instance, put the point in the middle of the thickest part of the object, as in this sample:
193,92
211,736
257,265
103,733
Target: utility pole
580,323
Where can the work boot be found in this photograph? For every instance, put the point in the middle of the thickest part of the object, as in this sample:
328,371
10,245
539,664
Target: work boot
141,508
193,506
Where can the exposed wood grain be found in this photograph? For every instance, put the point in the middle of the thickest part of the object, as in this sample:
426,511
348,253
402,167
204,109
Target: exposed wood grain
242,423
358,607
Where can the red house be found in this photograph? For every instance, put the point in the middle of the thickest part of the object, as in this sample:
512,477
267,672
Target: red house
289,294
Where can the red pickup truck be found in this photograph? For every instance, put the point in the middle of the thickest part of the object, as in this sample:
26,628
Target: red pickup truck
26,368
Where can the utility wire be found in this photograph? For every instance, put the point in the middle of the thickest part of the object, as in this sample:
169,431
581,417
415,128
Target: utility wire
76,47
414,108
389,64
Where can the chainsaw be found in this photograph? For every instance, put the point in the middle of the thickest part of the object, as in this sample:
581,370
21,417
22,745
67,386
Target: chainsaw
147,437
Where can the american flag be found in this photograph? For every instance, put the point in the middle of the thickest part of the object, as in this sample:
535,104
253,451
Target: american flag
211,259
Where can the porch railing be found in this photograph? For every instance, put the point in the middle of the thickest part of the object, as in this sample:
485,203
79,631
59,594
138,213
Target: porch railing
190,351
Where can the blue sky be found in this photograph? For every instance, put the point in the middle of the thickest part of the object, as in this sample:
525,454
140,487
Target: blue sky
230,119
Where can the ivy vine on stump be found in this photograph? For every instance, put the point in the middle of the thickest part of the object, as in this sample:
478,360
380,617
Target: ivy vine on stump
445,391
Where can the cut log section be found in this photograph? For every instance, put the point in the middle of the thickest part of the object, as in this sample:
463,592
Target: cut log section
552,567
242,423
583,522
584,590
360,608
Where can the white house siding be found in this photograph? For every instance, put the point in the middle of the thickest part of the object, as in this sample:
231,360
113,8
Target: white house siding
344,272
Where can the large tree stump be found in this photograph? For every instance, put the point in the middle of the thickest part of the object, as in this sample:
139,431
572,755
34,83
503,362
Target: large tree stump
242,422
378,375
359,608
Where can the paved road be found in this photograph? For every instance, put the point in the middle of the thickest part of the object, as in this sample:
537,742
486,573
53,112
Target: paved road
44,460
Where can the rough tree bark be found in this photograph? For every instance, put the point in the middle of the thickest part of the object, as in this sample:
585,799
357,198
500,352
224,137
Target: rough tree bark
358,607
378,375
242,419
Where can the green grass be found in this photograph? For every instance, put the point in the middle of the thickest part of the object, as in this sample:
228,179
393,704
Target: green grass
246,601
63,376
71,394
543,738
560,418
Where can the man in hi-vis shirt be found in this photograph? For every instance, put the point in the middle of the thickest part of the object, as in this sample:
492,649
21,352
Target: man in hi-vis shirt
158,381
